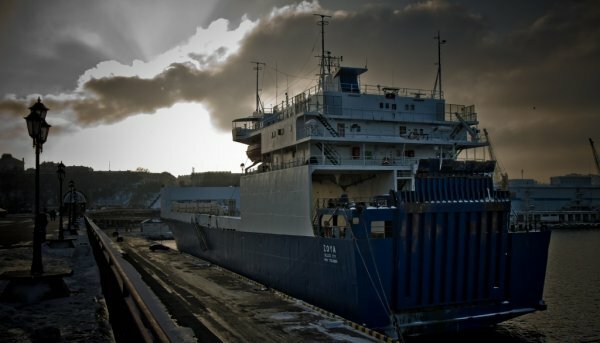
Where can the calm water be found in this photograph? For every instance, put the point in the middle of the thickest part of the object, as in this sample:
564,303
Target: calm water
572,292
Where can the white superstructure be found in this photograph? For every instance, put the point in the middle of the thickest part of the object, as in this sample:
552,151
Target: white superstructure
342,140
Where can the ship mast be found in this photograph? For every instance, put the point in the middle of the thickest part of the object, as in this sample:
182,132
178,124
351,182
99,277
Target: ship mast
438,77
258,68
322,23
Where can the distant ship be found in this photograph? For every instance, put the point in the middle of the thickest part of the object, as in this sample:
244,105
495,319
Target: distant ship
358,204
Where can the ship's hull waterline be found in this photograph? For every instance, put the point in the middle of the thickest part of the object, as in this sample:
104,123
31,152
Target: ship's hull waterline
445,267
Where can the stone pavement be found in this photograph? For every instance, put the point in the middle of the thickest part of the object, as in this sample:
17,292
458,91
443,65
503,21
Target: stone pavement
81,316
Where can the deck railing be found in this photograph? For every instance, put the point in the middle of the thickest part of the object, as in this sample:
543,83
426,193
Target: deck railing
319,131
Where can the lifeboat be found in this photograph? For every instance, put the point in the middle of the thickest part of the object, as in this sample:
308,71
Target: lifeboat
254,152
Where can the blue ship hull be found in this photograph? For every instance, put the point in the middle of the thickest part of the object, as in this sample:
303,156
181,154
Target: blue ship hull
442,265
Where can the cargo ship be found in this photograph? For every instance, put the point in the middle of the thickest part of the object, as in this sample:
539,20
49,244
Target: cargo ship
358,201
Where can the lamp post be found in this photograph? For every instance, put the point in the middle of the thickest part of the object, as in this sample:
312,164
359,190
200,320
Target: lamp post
38,130
60,172
71,189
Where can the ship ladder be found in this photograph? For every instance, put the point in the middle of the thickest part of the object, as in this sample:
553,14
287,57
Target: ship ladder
200,234
327,125
379,286
315,224
330,152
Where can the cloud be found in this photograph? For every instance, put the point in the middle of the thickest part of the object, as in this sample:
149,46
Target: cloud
11,105
536,90
204,69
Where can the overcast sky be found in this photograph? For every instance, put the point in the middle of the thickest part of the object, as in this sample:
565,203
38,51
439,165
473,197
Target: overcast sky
155,84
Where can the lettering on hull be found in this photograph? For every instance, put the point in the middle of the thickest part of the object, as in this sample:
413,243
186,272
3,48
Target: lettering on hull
329,253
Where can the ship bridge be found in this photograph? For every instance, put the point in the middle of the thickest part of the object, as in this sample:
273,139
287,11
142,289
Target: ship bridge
246,130
346,79
346,124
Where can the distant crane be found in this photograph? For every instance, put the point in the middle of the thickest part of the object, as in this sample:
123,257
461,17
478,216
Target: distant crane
595,153
500,176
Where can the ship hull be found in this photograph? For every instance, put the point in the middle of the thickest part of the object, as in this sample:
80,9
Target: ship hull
445,276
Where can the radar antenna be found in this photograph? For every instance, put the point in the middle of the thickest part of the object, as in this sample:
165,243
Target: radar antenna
438,77
322,23
258,68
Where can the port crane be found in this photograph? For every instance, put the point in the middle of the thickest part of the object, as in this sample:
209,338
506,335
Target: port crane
595,153
500,177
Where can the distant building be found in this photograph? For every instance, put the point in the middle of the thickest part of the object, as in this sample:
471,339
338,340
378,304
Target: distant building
573,180
48,167
11,164
210,200
215,179
79,169
568,198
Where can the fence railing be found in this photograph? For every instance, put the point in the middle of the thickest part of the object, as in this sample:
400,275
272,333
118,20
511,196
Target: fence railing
131,319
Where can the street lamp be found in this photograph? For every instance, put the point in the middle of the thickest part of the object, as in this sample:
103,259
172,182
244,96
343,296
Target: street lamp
71,189
60,172
38,130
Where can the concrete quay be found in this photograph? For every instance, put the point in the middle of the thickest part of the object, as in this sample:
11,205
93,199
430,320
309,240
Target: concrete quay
80,316
218,305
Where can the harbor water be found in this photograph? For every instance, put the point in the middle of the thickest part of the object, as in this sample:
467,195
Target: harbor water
572,293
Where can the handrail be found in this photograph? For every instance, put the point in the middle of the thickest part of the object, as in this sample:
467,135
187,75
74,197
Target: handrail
145,322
